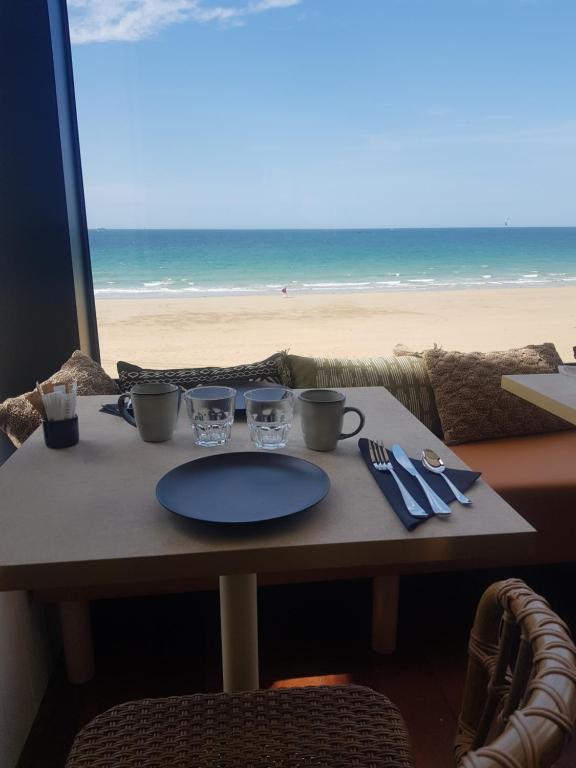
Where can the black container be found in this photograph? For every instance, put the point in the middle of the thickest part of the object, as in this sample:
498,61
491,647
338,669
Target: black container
61,434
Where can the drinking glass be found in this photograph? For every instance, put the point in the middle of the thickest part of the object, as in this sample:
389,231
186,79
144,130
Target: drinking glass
211,412
269,413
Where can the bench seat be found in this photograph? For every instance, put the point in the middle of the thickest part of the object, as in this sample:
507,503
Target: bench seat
536,475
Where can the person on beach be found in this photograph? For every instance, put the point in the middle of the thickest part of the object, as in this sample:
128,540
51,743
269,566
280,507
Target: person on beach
284,291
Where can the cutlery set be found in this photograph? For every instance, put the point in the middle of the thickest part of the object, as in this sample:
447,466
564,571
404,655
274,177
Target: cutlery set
430,461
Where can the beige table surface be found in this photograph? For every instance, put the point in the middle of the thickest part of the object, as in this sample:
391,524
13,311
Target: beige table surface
553,392
88,515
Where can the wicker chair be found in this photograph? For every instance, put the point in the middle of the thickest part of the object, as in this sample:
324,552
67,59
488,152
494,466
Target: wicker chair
322,727
520,697
519,702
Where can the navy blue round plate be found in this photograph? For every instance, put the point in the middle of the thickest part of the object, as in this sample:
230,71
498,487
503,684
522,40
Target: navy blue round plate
242,487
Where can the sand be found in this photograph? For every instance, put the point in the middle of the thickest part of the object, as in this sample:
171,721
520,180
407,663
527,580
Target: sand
160,333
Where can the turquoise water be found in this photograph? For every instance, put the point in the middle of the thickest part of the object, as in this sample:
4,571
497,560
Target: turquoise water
133,263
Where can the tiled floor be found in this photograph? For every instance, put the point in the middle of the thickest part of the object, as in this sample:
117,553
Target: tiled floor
309,634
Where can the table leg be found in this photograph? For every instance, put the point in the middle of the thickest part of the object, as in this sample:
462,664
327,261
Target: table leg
77,640
385,589
239,630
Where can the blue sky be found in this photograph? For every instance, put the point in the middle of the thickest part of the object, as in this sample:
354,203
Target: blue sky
326,113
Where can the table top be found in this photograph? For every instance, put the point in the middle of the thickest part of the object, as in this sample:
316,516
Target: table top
553,392
88,516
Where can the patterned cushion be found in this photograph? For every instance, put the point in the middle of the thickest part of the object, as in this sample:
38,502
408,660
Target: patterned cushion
471,402
404,377
19,418
273,370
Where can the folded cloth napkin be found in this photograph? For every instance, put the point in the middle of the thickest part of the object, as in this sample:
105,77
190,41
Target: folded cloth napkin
462,479
113,410
110,408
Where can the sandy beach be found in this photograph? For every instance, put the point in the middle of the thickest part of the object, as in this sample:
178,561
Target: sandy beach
227,330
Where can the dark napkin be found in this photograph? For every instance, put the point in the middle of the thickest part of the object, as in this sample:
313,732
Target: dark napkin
462,479
113,410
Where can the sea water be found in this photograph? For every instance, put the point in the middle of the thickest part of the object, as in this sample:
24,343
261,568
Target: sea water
179,263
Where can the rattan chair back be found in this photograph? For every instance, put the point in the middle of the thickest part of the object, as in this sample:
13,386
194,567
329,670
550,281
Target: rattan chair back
519,702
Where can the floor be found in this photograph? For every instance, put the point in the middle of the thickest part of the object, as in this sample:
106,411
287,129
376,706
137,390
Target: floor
310,634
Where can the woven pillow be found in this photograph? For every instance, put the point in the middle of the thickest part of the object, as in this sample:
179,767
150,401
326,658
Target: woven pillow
404,377
471,402
273,370
19,418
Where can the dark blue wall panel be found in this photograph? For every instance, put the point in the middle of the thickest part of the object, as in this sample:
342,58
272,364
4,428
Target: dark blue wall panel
39,325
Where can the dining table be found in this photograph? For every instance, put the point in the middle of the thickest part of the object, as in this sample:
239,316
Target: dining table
553,392
87,517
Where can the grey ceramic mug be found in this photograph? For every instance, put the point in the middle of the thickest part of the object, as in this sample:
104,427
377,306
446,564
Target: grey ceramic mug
156,406
322,414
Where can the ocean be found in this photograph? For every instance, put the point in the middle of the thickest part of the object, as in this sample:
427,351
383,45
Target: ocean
190,262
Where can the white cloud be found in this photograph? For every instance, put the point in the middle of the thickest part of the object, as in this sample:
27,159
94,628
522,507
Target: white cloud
258,6
552,134
99,21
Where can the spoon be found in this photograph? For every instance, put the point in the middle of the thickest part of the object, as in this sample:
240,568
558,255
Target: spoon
434,463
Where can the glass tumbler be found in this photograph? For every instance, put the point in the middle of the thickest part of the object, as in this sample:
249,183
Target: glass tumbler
211,412
269,413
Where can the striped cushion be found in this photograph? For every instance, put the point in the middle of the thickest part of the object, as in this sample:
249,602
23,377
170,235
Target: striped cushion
404,377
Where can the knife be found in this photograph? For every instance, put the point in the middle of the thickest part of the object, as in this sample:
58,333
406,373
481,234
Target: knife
439,507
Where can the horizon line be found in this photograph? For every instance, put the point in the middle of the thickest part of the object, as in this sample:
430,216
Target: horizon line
327,229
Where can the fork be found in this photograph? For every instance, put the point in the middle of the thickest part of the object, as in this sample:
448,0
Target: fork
381,461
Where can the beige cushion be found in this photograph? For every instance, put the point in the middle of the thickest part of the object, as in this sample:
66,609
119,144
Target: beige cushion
471,402
402,350
404,377
19,418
